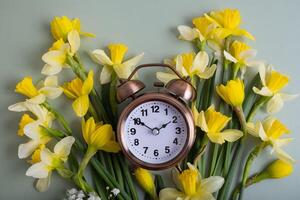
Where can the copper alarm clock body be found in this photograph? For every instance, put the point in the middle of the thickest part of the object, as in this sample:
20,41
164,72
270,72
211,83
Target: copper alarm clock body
175,104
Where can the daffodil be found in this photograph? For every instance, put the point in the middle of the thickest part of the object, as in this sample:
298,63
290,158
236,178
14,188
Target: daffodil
228,22
62,26
37,94
212,123
241,54
203,30
145,180
25,119
271,131
273,82
188,65
115,62
56,57
79,91
192,186
32,129
99,136
232,93
50,161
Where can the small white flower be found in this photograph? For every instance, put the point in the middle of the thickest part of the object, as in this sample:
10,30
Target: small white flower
115,191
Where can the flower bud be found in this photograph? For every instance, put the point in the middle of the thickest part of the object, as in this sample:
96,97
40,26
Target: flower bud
279,169
145,180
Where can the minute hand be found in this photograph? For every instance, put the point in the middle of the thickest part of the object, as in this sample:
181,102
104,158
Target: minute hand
164,125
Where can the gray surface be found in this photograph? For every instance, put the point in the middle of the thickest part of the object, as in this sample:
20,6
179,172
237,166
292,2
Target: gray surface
145,26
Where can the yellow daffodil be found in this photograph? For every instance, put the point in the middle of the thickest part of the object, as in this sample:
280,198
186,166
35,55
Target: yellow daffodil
270,131
55,58
240,54
26,119
50,161
37,94
61,26
232,93
192,186
228,22
279,169
203,30
36,155
145,180
189,64
34,131
273,82
79,91
115,62
212,123
99,136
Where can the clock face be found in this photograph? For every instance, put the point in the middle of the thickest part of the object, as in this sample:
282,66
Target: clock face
155,132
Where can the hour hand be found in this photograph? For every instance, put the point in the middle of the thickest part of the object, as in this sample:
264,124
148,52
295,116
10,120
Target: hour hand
143,124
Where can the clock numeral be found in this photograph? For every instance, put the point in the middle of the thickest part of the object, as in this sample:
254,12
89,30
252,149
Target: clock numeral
136,142
174,119
144,112
155,109
178,130
166,111
155,152
145,149
132,131
175,141
137,121
167,149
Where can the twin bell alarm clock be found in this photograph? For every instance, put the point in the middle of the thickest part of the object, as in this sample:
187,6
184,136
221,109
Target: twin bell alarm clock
156,130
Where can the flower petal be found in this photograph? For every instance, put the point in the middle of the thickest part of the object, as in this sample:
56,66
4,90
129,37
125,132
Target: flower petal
165,77
105,75
282,155
232,135
27,149
186,33
111,146
274,104
264,91
229,57
212,184
51,81
88,128
47,156
18,107
99,56
63,147
201,122
38,170
170,194
42,184
81,105
102,135
41,98
208,72
50,70
74,41
51,92
200,62
124,70
54,58
88,84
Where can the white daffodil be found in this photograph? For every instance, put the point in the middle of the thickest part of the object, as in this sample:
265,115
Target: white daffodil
212,123
38,94
189,64
37,137
273,82
50,161
55,58
270,131
192,186
115,62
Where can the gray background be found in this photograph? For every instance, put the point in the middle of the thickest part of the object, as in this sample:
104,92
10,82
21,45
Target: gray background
145,26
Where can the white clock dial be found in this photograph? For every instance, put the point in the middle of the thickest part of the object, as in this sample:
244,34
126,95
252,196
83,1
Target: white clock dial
155,132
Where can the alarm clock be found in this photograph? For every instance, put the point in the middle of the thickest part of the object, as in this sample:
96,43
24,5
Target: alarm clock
156,130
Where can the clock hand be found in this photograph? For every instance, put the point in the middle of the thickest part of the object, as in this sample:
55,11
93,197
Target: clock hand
143,124
164,125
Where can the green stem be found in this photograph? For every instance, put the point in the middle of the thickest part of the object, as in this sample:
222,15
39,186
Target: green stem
256,107
254,153
214,158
